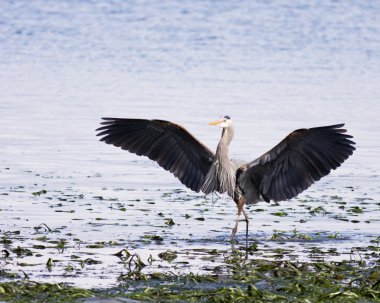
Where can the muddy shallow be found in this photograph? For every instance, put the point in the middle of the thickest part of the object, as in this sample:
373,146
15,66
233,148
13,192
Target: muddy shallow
69,204
73,234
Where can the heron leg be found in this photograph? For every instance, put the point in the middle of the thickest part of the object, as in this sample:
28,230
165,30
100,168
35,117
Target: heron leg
246,222
240,204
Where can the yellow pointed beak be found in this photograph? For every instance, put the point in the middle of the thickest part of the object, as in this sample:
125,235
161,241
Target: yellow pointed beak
215,122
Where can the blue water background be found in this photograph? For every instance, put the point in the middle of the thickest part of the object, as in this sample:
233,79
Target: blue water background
273,66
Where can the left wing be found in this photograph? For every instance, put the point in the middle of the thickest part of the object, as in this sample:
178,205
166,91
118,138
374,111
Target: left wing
303,157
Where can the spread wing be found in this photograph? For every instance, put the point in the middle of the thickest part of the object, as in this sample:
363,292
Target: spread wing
169,144
303,157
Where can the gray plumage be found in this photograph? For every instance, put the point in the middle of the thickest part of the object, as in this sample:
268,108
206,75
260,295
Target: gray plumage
221,176
303,157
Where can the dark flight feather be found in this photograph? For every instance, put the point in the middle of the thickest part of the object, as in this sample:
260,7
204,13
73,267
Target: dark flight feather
169,144
303,157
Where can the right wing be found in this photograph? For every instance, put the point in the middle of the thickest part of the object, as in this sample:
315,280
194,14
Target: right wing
167,143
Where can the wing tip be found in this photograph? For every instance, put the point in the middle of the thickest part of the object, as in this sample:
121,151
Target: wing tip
107,121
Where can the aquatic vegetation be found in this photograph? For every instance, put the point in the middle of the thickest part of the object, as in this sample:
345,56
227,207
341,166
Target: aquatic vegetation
280,214
270,281
153,237
39,193
318,210
30,291
168,255
169,222
238,280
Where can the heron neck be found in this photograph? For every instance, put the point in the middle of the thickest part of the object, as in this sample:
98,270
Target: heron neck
225,140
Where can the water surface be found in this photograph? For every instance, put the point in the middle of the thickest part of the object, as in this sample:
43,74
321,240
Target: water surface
272,66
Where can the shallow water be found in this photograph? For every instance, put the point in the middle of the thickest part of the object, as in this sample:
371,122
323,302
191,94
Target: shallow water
273,67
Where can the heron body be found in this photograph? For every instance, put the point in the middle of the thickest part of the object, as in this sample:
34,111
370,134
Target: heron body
221,176
300,159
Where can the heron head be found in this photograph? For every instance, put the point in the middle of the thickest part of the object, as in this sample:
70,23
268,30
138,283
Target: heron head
223,122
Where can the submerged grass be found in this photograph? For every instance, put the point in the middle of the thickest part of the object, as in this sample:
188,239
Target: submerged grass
237,280
29,291
271,281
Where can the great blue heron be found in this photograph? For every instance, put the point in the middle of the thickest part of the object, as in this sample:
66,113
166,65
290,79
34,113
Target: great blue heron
303,157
